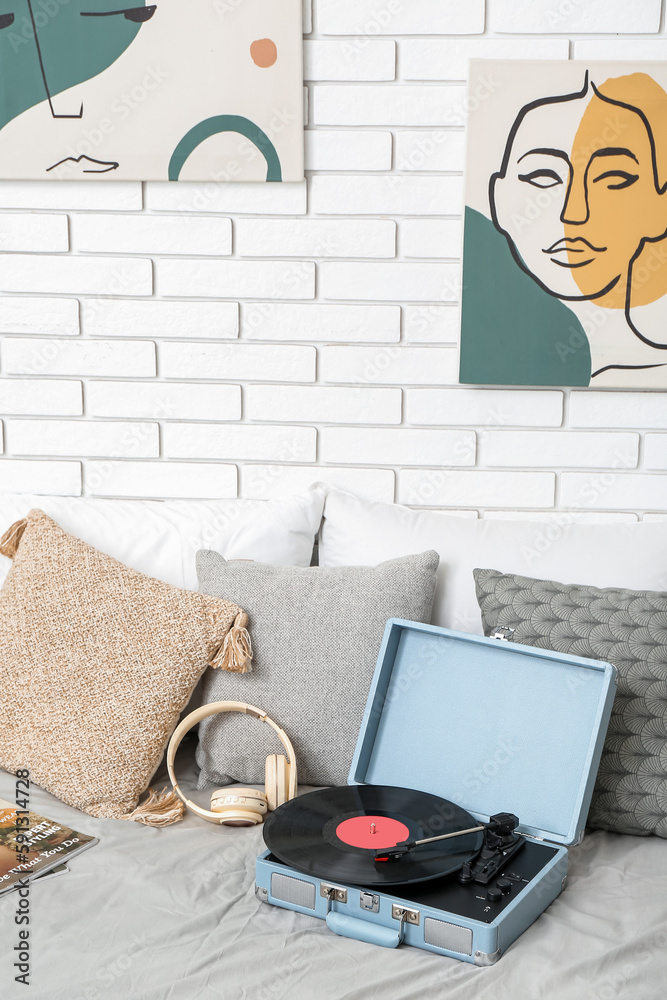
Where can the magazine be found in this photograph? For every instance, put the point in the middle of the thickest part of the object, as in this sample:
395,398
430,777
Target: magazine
32,846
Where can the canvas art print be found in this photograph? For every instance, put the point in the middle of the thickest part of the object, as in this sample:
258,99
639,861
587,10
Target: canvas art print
178,90
565,236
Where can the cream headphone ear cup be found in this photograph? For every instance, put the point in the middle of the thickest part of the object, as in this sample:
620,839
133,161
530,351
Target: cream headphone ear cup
276,778
239,806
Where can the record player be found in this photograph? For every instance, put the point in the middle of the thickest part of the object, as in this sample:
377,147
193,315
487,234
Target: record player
473,773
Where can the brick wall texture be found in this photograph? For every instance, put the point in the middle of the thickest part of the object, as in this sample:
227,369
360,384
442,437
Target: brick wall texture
221,340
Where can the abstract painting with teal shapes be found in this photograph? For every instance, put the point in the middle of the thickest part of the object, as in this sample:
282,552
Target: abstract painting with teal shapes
177,90
565,226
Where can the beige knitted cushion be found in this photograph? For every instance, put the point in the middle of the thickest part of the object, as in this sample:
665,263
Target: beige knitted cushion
96,663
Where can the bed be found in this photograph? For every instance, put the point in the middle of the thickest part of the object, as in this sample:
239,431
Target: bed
171,914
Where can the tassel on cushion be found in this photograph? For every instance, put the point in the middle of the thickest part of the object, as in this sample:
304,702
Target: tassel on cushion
160,809
235,653
9,543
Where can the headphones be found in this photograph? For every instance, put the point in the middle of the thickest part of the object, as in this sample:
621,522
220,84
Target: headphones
240,806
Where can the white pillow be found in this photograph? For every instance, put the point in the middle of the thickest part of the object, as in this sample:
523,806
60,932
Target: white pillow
161,538
629,555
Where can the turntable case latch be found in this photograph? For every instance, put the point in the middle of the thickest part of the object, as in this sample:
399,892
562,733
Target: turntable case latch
503,632
369,901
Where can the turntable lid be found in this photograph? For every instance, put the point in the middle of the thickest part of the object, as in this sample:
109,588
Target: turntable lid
493,726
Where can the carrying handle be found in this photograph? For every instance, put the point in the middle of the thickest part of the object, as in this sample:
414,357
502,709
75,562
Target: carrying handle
363,930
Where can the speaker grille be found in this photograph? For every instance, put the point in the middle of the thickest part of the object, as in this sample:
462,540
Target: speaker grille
448,936
293,890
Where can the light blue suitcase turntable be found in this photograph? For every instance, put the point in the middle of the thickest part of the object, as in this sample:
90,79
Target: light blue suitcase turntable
495,727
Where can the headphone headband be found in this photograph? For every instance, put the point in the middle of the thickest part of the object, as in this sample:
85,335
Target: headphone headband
217,708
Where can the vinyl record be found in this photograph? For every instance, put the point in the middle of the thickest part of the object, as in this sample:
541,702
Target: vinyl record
334,834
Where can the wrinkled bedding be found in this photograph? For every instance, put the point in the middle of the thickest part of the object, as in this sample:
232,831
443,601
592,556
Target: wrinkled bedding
171,915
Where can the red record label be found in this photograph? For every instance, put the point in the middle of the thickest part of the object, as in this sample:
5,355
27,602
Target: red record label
374,832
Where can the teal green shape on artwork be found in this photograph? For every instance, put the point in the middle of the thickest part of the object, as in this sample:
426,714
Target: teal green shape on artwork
225,123
50,46
513,332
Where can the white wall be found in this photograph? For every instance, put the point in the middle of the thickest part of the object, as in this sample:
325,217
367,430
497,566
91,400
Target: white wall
224,340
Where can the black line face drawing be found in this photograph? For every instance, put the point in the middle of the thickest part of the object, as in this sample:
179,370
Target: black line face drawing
130,92
597,194
41,54
92,166
571,193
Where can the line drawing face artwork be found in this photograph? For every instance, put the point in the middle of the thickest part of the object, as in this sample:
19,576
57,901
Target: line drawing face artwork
90,87
576,206
32,55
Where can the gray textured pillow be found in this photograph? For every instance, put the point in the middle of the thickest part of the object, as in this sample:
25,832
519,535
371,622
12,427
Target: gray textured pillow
316,634
629,629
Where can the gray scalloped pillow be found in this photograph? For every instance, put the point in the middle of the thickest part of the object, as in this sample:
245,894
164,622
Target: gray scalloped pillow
629,629
316,634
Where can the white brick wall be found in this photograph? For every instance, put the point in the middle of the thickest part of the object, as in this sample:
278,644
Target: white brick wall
108,196
398,17
324,321
34,233
323,405
257,199
161,400
151,234
255,443
403,282
44,478
393,365
575,16
430,149
397,105
447,58
118,438
74,274
237,361
316,238
234,278
339,149
34,356
161,479
389,194
41,397
24,314
374,60
220,340
156,319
